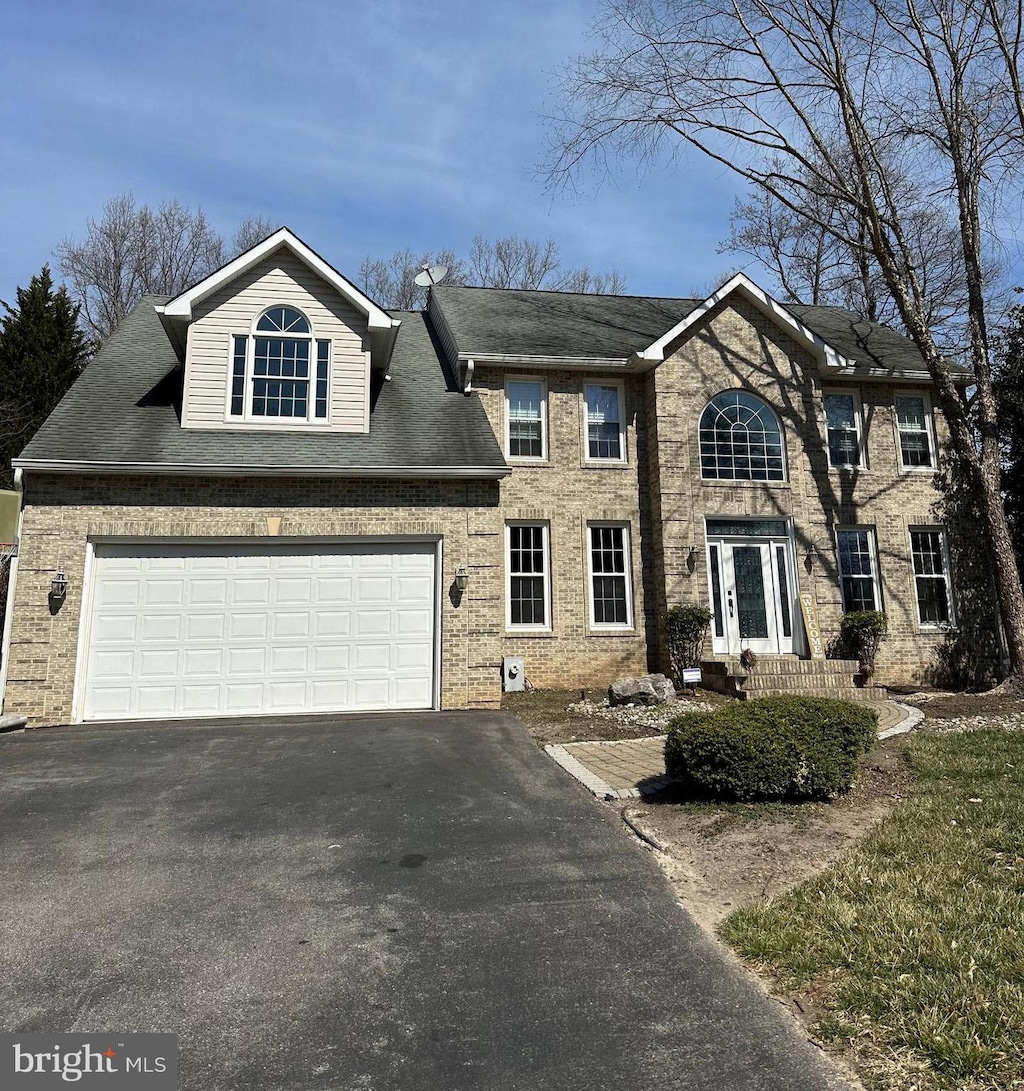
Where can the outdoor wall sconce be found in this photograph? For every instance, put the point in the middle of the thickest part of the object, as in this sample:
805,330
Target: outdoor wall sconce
810,557
461,577
693,555
59,586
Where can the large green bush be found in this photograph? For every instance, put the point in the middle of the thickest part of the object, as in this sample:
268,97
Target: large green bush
772,748
686,628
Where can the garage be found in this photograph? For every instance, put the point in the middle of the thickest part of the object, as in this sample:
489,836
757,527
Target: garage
185,630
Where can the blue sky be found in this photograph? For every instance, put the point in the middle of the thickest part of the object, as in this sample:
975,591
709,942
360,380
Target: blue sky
365,127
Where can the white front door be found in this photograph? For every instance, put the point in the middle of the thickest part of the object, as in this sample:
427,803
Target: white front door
752,595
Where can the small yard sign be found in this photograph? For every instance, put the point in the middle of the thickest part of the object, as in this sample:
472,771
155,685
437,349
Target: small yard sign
692,676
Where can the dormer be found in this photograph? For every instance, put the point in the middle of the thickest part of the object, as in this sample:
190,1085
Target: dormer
278,339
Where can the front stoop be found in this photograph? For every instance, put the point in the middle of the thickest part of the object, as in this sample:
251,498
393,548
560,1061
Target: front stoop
772,675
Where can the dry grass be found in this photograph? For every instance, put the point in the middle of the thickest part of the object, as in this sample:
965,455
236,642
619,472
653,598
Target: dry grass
911,950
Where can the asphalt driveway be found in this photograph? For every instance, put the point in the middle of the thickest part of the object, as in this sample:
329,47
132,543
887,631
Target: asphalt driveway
381,902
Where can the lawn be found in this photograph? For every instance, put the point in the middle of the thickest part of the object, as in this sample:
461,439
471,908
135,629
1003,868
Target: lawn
909,952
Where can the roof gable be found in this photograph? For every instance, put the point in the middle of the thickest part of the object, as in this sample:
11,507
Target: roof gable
182,306
742,285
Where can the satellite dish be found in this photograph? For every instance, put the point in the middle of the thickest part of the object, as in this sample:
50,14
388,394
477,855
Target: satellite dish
432,274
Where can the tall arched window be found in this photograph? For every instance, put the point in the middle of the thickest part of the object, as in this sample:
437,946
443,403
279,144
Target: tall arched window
740,439
271,368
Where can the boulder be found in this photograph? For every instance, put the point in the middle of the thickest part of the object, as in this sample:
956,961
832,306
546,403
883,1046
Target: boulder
648,689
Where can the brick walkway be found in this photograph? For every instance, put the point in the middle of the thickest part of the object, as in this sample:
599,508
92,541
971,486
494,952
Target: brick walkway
636,767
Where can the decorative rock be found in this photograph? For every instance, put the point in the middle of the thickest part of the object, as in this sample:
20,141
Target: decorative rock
649,689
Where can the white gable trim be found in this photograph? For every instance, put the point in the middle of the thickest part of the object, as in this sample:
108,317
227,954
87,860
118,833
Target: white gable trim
182,306
785,319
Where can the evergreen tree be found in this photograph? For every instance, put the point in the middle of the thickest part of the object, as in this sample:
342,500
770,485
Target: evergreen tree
42,352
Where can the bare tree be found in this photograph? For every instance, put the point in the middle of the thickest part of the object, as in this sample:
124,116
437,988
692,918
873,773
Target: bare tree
391,282
252,230
508,262
843,101
134,249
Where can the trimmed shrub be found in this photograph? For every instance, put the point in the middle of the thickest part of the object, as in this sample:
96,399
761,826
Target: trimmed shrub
862,631
686,628
772,748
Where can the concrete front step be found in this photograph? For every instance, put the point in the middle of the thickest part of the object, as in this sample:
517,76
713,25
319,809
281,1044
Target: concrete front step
787,674
778,665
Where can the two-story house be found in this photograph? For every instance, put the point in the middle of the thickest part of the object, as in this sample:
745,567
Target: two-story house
270,495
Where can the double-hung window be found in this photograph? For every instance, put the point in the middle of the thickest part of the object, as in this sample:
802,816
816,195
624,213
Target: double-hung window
843,424
606,436
611,599
526,419
858,568
279,370
931,577
528,576
914,425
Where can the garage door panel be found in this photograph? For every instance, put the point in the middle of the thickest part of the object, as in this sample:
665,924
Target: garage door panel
248,626
372,622
204,626
207,592
291,624
204,630
112,628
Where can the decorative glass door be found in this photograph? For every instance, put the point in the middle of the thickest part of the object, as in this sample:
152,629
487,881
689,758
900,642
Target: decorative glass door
752,591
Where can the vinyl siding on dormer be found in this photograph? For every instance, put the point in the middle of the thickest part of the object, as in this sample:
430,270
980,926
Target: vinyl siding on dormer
280,279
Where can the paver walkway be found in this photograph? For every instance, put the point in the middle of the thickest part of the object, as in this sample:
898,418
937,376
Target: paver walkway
636,767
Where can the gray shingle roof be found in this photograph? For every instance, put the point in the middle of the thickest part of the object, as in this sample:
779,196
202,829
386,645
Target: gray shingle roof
125,409
527,323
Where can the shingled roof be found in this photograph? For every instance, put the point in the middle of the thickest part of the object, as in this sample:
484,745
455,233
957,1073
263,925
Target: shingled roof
510,322
125,409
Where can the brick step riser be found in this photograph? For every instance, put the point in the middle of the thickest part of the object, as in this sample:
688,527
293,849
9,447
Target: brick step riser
801,667
855,695
831,681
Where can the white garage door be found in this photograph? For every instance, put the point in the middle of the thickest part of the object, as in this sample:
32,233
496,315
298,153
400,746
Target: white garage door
232,630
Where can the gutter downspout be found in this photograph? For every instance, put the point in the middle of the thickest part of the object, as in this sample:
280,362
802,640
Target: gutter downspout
12,585
468,388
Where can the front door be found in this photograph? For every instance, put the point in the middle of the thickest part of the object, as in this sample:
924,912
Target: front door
751,595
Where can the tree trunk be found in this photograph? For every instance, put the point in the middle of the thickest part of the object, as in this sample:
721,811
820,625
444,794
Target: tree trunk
1005,576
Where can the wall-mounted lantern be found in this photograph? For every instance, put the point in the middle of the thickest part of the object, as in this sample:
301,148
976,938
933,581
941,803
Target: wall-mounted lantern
810,557
59,586
693,555
461,577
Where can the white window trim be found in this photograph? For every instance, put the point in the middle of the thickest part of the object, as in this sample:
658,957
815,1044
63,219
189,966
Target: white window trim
876,578
542,383
247,417
947,575
627,545
858,417
929,425
546,542
620,387
743,482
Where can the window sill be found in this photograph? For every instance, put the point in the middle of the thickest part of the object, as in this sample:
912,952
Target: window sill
604,464
516,460
533,634
917,471
603,633
743,483
287,423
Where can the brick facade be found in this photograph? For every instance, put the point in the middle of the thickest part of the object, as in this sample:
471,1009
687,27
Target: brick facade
737,346
657,493
62,513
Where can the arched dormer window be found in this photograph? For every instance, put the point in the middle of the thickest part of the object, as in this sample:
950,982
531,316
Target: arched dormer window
272,370
740,439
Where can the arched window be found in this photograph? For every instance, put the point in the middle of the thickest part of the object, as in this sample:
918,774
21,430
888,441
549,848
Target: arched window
740,439
271,368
